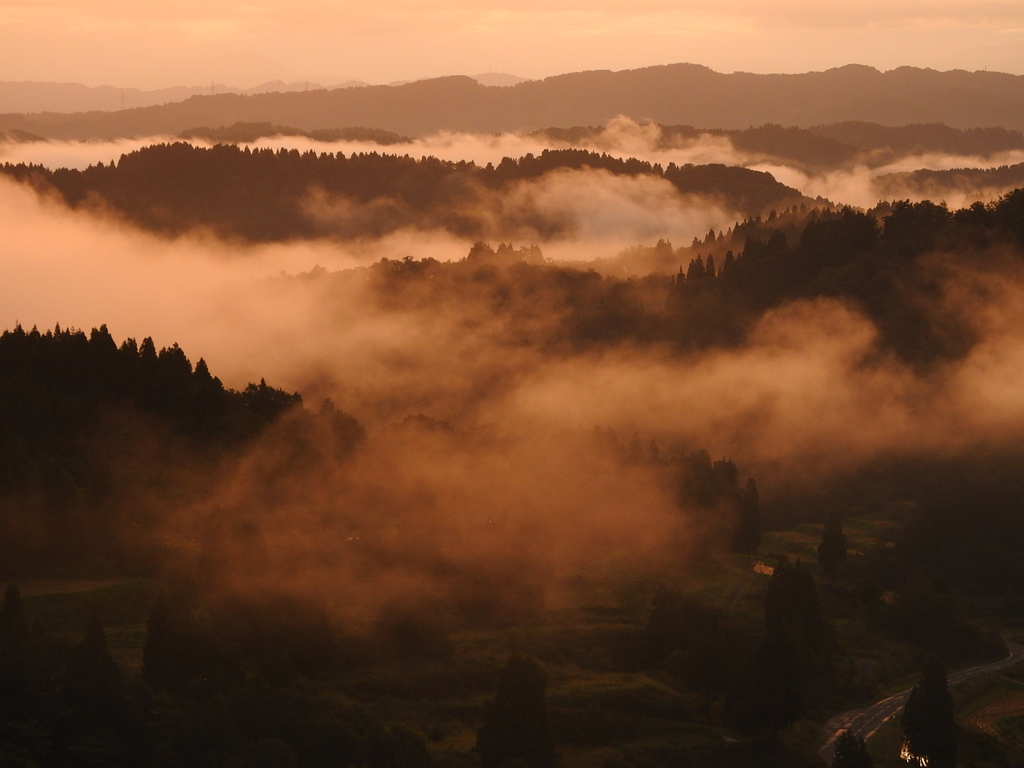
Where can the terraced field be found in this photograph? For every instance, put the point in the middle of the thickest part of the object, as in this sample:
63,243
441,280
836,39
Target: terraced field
1007,704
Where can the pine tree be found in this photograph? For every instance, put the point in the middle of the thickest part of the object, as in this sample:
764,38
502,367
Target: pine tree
12,614
772,694
729,265
17,677
707,662
851,752
159,649
747,531
695,271
92,723
516,725
832,550
92,683
792,610
929,723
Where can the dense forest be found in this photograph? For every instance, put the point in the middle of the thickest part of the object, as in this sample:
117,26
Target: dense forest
728,280
92,430
266,195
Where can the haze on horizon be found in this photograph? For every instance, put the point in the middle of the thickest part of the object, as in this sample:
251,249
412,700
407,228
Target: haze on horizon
187,42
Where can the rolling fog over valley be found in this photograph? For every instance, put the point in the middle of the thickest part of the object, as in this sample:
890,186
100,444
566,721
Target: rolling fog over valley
849,163
522,425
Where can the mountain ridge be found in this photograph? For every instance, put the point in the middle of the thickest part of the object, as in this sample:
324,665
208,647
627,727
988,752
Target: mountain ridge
669,94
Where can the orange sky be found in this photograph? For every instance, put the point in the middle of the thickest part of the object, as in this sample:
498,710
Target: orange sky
187,42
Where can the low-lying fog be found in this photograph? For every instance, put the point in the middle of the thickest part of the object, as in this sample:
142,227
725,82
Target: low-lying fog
808,390
853,184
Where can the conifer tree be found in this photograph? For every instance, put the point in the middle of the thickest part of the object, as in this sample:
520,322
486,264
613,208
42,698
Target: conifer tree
695,271
92,683
851,752
12,614
832,550
17,678
928,720
747,531
92,723
516,726
772,694
159,649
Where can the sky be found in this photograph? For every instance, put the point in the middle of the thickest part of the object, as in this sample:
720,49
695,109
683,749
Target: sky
127,43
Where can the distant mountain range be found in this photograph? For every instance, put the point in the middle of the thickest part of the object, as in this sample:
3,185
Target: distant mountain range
672,95
73,97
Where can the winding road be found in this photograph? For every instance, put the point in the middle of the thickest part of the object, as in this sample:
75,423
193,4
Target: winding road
864,722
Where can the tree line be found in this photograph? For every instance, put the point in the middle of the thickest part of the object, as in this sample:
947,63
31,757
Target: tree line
89,428
266,195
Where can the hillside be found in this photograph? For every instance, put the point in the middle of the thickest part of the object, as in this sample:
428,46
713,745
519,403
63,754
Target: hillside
265,196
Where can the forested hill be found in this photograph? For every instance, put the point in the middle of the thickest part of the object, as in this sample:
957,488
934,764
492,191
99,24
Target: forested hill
882,262
823,146
265,195
673,94
93,433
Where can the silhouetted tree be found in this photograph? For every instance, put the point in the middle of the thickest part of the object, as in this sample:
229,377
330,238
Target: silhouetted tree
792,610
929,722
747,533
12,614
516,724
772,693
92,723
17,678
92,682
832,550
851,752
705,661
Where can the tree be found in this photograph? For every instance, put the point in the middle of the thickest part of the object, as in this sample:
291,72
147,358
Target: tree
851,752
792,609
92,684
700,645
17,678
772,694
747,533
706,664
12,614
516,725
928,720
832,550
91,723
162,643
